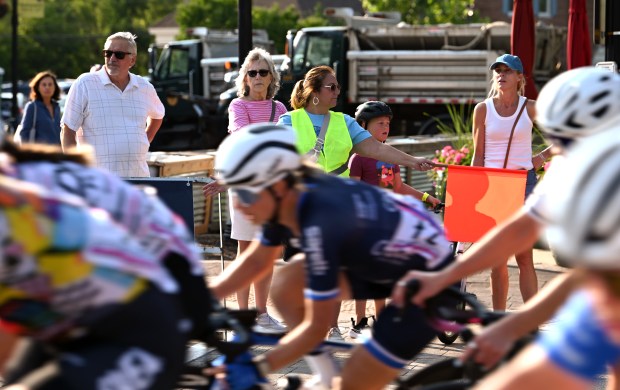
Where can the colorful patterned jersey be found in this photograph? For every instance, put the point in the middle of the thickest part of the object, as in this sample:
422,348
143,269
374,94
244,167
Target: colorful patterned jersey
160,231
63,264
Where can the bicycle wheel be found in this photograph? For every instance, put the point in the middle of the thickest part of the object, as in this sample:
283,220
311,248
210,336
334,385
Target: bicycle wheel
450,337
438,373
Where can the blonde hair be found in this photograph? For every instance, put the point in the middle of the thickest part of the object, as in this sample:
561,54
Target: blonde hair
520,87
312,82
256,55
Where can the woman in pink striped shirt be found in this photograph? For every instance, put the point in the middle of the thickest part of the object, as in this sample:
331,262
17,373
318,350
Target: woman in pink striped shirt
257,84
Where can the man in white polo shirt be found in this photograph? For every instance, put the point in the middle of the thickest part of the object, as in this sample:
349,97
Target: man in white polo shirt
115,111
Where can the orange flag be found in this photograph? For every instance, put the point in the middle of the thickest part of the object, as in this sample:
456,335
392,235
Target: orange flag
477,199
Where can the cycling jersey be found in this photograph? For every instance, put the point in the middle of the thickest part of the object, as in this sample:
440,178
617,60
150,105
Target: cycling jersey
575,341
160,231
371,234
374,237
62,264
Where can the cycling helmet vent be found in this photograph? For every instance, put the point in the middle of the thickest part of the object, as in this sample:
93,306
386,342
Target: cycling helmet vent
257,156
370,110
586,231
579,103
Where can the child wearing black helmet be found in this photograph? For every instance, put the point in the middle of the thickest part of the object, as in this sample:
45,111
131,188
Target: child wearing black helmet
375,116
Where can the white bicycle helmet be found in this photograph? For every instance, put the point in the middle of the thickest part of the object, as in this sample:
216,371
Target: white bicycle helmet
579,103
256,156
586,227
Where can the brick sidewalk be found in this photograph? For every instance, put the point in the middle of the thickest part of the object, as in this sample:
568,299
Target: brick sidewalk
436,351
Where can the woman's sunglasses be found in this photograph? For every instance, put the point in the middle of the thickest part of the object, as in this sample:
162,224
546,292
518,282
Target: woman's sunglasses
118,54
261,72
333,87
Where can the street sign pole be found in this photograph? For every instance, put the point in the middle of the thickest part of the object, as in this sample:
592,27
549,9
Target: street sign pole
14,108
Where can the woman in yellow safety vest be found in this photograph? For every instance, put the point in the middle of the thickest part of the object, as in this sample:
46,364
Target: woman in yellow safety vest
330,137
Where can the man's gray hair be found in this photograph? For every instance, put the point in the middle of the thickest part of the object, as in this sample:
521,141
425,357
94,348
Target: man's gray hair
129,37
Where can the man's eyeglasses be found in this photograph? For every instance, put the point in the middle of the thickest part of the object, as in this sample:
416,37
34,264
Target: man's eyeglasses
261,72
118,54
333,87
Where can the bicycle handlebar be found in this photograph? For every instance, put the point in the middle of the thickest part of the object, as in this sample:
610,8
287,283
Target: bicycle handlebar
439,307
240,322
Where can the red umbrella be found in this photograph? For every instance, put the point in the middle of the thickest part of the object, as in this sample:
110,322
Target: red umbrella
578,46
523,41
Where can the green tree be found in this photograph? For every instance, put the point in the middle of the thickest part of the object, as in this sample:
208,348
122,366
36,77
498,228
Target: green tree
69,39
427,11
217,14
276,22
223,14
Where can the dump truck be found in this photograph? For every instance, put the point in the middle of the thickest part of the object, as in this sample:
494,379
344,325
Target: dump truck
189,76
418,69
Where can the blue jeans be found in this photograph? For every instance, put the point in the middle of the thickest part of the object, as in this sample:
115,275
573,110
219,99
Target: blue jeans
530,183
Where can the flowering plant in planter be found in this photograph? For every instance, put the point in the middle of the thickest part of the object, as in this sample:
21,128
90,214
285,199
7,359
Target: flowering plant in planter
452,156
458,128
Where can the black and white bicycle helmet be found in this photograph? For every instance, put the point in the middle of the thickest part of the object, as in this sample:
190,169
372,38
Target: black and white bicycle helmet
586,227
256,156
370,110
579,103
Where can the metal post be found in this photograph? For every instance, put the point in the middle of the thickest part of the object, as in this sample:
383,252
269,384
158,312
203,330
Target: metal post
612,31
14,65
245,29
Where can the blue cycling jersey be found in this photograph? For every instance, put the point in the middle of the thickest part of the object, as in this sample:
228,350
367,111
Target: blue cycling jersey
575,341
373,235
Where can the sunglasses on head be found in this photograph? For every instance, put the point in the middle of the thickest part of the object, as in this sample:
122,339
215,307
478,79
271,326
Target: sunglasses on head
118,54
333,87
261,72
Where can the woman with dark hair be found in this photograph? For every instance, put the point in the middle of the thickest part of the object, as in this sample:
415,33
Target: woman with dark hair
42,113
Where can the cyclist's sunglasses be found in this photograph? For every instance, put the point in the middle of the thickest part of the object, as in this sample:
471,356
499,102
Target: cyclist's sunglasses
261,72
118,54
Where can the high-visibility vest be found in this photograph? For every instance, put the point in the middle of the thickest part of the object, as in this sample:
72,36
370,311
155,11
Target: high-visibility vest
337,146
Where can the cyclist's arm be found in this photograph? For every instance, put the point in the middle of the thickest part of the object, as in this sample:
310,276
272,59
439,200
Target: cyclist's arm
496,340
532,369
306,336
513,236
8,342
612,380
255,262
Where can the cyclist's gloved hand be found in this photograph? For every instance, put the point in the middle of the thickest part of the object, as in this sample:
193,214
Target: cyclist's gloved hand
242,374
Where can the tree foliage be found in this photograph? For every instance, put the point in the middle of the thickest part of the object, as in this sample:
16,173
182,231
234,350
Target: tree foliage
69,39
427,11
223,14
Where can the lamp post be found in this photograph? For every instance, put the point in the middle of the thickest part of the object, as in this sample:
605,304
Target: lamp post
244,27
14,108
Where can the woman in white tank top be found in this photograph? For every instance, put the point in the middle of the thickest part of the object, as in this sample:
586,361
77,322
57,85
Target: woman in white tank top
493,122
